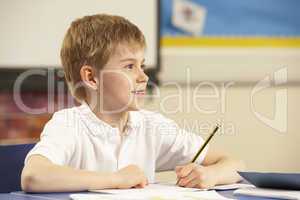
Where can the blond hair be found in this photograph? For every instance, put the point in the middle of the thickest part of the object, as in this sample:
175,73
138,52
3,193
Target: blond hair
91,40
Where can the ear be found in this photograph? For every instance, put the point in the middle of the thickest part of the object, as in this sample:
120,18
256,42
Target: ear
88,76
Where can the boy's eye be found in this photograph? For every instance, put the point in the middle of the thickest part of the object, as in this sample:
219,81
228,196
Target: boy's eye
130,66
143,66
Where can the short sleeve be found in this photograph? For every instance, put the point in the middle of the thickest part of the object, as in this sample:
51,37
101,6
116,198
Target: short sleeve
176,146
56,141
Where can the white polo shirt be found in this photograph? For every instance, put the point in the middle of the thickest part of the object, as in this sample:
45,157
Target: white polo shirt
76,137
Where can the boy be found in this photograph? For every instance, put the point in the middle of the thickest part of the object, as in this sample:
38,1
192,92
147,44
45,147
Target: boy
107,142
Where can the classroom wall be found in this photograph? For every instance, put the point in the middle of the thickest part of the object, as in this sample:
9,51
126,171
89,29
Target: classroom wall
188,64
261,147
248,56
229,40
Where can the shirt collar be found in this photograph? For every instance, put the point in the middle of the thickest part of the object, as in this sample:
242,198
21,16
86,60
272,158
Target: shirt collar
99,127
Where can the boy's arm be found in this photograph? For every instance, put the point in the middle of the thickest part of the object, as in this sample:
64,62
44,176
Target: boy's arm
40,175
216,169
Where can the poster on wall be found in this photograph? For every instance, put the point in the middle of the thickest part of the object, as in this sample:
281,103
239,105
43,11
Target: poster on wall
247,22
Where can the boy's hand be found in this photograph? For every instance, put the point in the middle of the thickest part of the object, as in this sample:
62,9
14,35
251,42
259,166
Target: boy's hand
196,176
131,176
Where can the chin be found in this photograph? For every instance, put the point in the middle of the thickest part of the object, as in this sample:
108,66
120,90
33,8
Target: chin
136,105
134,108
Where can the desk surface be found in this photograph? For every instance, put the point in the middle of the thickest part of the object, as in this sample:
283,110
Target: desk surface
65,196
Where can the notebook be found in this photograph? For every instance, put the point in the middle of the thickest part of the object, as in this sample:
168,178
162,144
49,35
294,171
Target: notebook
289,181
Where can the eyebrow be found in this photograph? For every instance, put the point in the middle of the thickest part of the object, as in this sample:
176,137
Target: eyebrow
131,59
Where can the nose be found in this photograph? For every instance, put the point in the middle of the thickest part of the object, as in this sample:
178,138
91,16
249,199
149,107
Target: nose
142,77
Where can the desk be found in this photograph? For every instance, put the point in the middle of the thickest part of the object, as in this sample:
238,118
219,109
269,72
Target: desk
65,196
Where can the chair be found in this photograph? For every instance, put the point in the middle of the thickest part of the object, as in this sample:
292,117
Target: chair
11,164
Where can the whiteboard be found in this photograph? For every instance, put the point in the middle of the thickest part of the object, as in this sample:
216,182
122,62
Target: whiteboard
32,31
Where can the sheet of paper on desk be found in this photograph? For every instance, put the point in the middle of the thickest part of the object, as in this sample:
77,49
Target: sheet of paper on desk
232,186
151,192
221,187
200,195
161,187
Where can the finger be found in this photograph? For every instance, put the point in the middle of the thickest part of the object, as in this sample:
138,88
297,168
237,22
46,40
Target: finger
186,170
138,186
141,182
178,168
192,184
145,181
184,181
141,185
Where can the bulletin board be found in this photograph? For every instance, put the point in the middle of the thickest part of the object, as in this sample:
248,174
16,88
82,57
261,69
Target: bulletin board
233,23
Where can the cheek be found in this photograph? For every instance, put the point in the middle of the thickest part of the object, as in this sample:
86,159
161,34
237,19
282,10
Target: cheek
117,84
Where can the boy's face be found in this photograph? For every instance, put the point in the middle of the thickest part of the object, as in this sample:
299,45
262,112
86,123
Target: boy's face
122,81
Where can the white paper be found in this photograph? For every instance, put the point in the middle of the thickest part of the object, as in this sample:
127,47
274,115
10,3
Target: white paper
232,186
161,187
200,195
221,187
151,192
273,193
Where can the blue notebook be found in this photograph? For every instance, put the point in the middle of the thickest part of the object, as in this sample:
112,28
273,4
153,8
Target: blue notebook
290,181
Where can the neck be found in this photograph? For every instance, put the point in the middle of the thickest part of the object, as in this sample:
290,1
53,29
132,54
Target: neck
115,119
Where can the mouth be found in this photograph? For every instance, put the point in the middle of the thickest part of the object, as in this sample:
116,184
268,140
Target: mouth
139,92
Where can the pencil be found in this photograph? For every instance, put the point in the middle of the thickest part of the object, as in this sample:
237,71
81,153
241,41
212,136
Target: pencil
203,146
